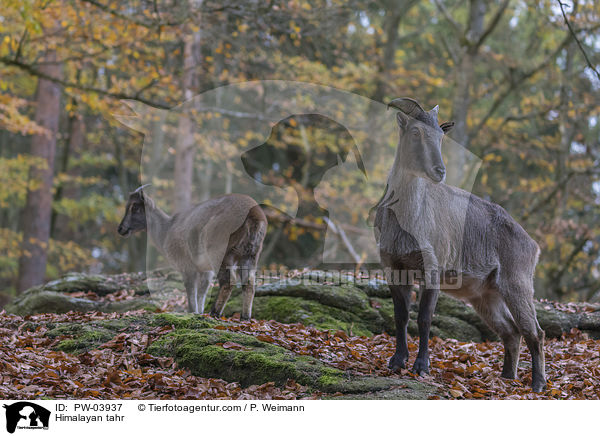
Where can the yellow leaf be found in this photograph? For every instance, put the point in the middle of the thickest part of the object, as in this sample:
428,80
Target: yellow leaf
455,393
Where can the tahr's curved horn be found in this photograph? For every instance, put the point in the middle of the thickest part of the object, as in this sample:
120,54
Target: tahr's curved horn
141,187
407,105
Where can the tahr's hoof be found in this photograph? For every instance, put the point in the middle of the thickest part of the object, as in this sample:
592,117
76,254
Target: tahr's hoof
397,362
509,375
421,366
538,386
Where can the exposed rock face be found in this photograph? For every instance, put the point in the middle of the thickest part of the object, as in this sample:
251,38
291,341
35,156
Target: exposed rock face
355,307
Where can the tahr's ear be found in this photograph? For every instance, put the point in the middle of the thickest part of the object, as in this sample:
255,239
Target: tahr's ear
402,120
447,126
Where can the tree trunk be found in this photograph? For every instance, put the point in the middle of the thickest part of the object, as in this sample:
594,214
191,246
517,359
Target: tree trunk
396,10
38,207
60,229
185,147
463,80
464,72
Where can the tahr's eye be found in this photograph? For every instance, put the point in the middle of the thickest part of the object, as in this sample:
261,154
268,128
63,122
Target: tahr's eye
415,133
135,208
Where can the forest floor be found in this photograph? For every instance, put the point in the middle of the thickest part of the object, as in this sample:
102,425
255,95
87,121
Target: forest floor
39,360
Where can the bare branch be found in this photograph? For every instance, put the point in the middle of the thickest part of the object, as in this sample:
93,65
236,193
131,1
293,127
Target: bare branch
66,84
21,41
493,23
577,39
339,232
457,28
275,215
450,50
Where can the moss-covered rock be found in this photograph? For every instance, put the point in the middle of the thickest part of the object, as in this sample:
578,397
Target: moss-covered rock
184,321
320,299
404,390
343,296
323,306
451,327
81,337
39,300
205,347
291,310
99,284
55,296
233,356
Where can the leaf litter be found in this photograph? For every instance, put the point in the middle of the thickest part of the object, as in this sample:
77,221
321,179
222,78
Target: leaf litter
31,368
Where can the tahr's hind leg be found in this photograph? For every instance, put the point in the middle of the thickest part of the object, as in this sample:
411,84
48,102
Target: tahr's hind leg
493,310
247,271
520,303
225,277
205,279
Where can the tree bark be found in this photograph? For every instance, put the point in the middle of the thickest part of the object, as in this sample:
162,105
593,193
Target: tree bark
465,70
395,11
185,147
60,229
38,207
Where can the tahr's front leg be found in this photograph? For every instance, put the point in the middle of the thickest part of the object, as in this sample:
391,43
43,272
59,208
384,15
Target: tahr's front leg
427,305
401,298
190,281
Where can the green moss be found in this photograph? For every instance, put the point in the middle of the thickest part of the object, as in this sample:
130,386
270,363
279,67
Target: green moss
128,323
81,337
330,378
342,297
70,346
85,340
291,310
255,362
184,320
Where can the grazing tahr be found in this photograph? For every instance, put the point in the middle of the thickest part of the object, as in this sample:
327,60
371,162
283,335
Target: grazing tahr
223,235
440,231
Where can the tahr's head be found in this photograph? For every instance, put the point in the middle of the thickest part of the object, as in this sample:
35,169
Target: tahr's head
420,141
135,213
